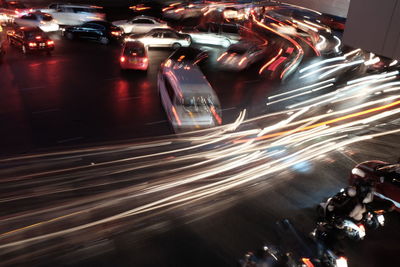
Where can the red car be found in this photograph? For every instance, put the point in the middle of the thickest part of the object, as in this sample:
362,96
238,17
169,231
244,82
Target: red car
30,39
134,56
385,177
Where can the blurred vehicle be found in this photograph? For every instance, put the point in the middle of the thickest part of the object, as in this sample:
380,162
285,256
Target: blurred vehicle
184,11
187,97
302,250
101,31
241,55
30,39
161,38
215,34
268,256
38,19
383,175
73,14
10,9
140,24
134,56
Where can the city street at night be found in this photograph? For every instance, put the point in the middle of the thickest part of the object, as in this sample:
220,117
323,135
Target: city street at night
184,143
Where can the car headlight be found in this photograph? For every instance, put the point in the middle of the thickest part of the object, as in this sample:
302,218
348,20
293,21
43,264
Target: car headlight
381,219
341,262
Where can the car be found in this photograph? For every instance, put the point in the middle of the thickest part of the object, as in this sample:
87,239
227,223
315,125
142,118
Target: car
215,34
241,55
188,99
73,14
11,9
38,19
101,31
134,56
140,24
162,38
30,39
384,176
183,11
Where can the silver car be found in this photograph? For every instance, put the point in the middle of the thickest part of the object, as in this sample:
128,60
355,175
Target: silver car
187,97
161,38
140,24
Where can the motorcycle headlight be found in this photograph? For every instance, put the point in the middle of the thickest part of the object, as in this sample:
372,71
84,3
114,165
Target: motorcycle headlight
381,219
341,262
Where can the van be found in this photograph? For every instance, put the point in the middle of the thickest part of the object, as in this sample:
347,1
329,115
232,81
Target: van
134,56
71,14
187,97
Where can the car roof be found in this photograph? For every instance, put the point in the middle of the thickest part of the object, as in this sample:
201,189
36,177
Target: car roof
101,22
134,43
29,29
191,80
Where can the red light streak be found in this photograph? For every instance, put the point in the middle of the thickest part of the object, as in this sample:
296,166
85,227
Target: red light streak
270,62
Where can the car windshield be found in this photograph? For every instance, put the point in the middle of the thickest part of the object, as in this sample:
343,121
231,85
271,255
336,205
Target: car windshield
35,35
86,10
46,17
134,51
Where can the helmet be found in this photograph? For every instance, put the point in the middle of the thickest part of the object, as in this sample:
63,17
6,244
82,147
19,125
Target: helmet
351,191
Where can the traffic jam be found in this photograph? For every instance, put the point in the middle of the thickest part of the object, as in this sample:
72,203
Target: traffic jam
282,43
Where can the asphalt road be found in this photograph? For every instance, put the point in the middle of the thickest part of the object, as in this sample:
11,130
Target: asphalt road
87,193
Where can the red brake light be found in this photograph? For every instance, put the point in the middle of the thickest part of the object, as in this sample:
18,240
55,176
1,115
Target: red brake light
38,37
51,42
116,33
32,44
145,60
122,59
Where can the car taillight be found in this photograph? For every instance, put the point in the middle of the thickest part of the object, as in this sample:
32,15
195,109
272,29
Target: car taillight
116,33
122,59
38,37
32,44
145,60
51,42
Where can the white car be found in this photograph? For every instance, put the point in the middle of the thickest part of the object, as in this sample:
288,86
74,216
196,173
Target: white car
187,97
71,14
241,55
140,24
38,19
161,38
215,34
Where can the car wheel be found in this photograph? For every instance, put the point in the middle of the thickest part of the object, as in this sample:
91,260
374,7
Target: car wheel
176,46
104,40
69,35
24,50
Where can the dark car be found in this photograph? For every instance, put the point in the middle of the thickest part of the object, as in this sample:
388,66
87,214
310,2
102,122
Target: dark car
101,31
30,39
383,175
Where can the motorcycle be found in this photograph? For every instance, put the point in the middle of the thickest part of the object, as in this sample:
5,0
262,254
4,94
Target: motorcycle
372,218
307,250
